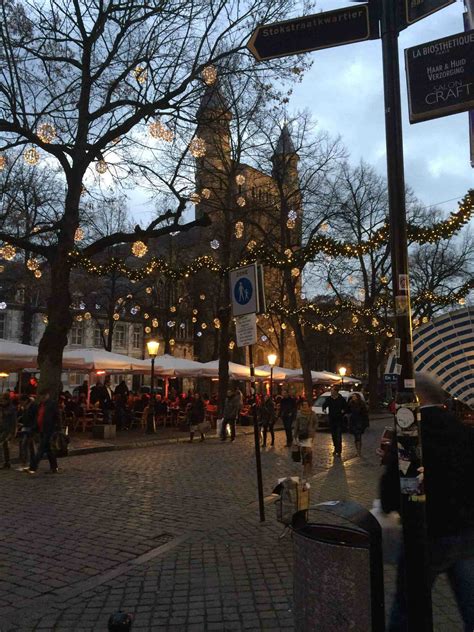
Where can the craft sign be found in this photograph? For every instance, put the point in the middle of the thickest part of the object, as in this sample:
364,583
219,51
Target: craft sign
440,77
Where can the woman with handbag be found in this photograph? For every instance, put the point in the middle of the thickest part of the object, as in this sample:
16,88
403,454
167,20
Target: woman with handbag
303,433
358,419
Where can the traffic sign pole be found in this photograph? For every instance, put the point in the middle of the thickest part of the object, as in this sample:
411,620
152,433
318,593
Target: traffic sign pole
413,505
256,436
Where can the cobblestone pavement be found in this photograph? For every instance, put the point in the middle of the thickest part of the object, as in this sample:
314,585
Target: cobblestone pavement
169,533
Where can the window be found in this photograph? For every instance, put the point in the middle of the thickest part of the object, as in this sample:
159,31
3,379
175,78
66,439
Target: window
182,332
137,337
119,336
98,342
3,325
76,379
77,334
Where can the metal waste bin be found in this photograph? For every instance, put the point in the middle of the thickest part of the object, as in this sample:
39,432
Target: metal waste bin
338,569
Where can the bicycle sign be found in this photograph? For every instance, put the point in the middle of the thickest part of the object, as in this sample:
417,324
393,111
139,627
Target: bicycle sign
244,290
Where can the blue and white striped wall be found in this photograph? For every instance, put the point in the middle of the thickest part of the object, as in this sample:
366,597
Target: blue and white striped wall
445,348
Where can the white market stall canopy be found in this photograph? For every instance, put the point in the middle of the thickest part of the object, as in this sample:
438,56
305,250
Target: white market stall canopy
101,360
236,371
170,366
281,374
15,356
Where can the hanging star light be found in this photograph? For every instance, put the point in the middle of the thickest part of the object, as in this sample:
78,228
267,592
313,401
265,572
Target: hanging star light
157,129
295,272
240,179
324,227
147,330
32,264
149,290
116,316
173,309
146,316
239,230
38,274
170,323
31,156
462,301
154,322
197,147
139,249
172,342
209,75
241,201
290,224
215,243
203,298
195,198
231,345
199,334
251,245
79,234
203,325
8,252
101,167
87,316
206,193
140,74
46,132
3,161
217,323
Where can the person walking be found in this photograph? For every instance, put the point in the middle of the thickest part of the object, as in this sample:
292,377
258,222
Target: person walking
336,406
304,429
267,420
196,413
288,408
27,420
231,411
47,423
7,427
358,419
448,461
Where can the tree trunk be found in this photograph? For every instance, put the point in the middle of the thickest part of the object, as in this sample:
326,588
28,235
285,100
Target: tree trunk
51,346
373,365
224,355
27,321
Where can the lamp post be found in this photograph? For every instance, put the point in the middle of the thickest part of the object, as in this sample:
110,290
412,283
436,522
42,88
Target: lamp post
342,371
152,347
272,358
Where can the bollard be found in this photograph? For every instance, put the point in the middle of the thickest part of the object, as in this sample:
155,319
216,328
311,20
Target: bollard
120,622
338,569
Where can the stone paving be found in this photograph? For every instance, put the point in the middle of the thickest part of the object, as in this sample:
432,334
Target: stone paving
170,533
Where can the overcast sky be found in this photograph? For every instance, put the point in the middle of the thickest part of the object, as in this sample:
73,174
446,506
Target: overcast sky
344,91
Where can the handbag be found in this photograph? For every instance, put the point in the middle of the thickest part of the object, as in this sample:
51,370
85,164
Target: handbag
296,454
204,427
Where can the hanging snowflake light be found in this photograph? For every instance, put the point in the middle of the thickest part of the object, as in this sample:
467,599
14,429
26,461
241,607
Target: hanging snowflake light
134,311
79,318
239,230
231,345
209,75
140,74
79,234
31,156
46,132
173,309
154,322
241,201
215,243
97,306
295,272
389,334
182,326
116,316
194,319
462,301
240,179
147,330
139,249
355,319
82,305
197,147
251,245
3,162
324,227
87,316
203,325
3,305
101,166
330,331
384,280
288,253
8,252
283,325
206,193
264,338
290,224
146,316
199,334
157,129
203,298
38,274
194,198
217,323
172,342
170,323
149,290
292,215
375,322
32,264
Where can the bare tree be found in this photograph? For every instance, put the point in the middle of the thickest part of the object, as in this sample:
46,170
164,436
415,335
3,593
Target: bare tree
78,82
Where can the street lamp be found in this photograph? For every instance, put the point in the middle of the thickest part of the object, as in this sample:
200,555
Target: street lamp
152,347
272,358
342,371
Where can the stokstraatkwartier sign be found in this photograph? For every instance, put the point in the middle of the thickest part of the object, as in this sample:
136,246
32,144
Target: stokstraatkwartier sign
312,32
440,77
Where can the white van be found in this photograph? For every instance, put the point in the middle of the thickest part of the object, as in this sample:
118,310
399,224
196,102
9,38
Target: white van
322,420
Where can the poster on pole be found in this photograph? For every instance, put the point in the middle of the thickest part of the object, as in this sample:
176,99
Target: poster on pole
246,330
440,77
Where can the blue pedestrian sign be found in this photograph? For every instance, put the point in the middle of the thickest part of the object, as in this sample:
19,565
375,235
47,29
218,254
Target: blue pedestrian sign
244,290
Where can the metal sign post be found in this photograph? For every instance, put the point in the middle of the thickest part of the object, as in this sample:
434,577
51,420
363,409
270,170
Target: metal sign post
244,296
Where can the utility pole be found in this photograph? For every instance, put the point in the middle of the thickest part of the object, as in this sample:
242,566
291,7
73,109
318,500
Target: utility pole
413,502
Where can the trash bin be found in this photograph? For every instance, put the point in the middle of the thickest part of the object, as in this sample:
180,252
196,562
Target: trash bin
338,569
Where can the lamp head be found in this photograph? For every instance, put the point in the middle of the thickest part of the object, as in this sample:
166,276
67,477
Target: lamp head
152,348
272,358
342,371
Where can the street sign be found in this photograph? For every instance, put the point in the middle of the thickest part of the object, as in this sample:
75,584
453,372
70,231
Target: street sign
246,330
390,378
418,9
244,290
440,77
312,32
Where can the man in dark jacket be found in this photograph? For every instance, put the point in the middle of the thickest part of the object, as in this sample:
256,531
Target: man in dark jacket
47,423
288,409
336,407
448,460
7,426
27,429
